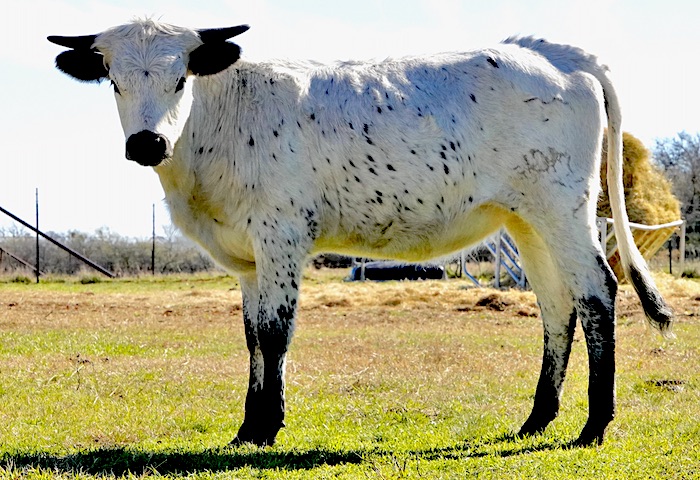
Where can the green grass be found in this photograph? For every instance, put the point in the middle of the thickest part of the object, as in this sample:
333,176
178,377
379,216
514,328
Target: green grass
101,284
146,379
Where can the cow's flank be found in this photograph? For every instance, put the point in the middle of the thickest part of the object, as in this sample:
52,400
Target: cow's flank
266,163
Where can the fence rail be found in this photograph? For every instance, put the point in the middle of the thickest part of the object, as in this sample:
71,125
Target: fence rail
649,238
77,255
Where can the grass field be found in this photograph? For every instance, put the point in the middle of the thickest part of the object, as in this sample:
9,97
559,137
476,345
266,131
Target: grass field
147,378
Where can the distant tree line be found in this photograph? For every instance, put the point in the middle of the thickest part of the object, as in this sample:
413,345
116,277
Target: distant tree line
679,159
121,255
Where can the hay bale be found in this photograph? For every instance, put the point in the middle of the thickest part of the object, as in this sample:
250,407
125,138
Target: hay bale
648,192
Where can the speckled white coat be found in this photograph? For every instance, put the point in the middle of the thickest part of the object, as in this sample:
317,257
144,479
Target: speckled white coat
410,158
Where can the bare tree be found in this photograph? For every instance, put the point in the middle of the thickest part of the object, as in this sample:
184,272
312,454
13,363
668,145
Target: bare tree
121,255
679,157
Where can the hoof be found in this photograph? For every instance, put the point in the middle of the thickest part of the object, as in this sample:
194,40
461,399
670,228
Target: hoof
590,436
262,437
534,425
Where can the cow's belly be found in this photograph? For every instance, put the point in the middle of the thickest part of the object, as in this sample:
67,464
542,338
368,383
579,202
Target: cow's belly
417,241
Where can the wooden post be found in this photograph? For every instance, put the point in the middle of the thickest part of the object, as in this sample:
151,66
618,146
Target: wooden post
36,265
681,249
153,242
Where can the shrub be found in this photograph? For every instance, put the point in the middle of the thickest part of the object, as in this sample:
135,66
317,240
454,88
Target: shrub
21,279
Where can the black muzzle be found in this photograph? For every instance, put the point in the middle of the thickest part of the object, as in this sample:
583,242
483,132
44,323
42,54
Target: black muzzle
148,148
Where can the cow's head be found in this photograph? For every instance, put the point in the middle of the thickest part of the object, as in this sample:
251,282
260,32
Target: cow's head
148,64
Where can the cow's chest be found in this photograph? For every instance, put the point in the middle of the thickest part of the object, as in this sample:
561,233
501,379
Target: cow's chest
211,219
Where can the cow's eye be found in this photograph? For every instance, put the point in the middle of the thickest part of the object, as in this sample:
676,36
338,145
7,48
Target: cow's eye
180,84
116,89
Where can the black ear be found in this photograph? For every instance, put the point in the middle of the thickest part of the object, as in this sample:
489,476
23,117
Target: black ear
83,65
214,57
83,62
216,54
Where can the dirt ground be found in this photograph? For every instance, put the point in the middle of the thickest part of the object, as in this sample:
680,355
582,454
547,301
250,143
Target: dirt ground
323,292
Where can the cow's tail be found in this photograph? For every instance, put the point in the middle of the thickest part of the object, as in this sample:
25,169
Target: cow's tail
636,270
568,59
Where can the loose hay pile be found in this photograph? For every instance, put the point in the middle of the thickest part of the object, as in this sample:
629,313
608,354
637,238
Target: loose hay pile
648,193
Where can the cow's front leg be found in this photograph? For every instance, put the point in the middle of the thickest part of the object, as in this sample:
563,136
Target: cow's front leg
253,403
269,308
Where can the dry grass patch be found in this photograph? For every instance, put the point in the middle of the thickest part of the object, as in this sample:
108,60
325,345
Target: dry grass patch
100,380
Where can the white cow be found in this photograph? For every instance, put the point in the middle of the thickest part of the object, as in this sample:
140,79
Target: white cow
266,163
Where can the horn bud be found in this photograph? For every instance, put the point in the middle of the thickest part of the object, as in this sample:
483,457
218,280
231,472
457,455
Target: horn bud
82,42
213,35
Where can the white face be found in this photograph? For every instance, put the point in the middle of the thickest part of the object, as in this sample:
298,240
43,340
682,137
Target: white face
153,101
148,64
149,77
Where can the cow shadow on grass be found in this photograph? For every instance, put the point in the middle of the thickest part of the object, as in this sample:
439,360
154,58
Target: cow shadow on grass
121,461
131,460
503,446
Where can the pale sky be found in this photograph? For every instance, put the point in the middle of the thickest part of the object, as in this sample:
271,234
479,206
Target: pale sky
64,138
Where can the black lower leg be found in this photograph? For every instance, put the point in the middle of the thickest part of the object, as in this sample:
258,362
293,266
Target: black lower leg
555,358
598,320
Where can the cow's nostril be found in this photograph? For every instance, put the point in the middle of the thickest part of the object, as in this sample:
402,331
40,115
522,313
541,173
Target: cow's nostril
148,148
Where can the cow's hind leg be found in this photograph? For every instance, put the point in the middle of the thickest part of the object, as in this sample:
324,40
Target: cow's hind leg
558,319
596,309
582,273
